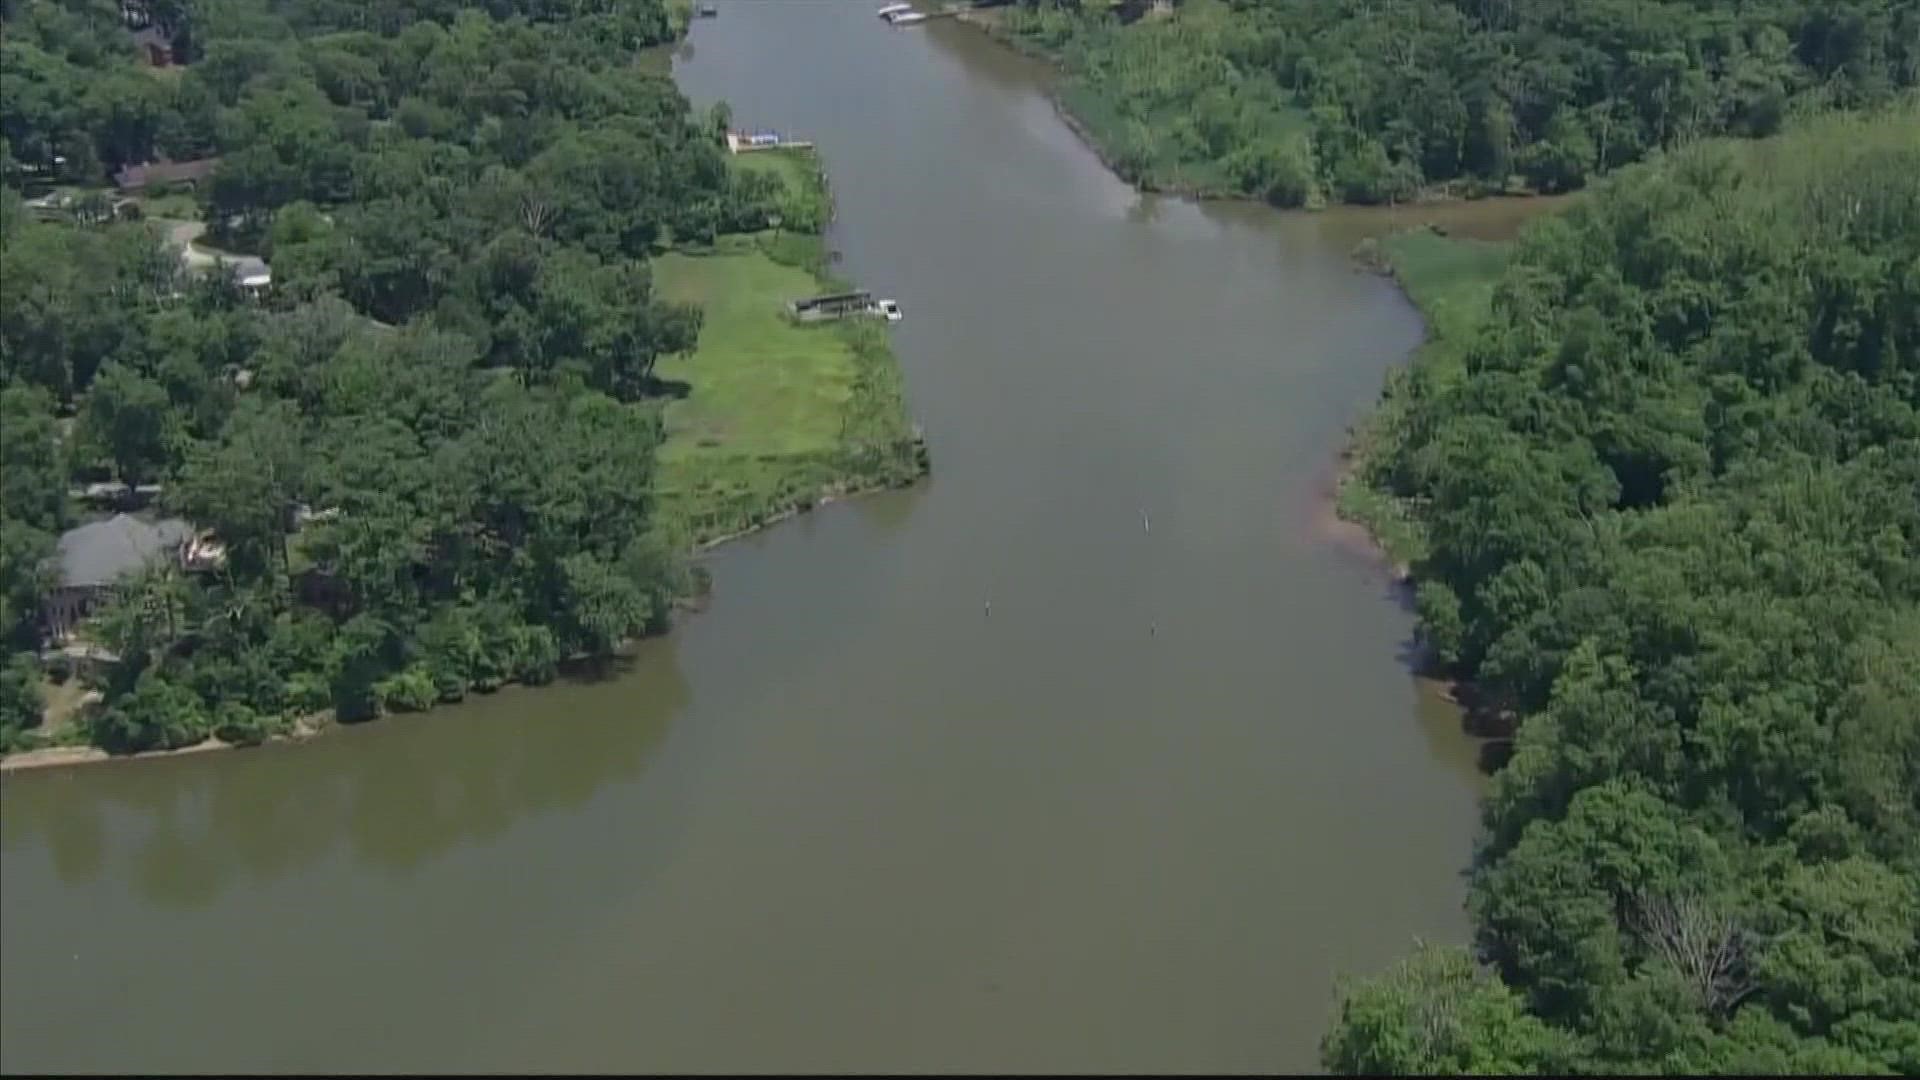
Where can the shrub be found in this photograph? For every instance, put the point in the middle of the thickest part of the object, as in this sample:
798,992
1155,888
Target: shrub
412,690
157,715
538,653
237,724
307,692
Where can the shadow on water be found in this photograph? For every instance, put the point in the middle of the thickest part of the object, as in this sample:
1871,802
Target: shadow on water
394,795
889,511
1147,209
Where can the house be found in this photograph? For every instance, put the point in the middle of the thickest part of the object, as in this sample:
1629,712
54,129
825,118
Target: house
134,178
94,559
155,45
250,272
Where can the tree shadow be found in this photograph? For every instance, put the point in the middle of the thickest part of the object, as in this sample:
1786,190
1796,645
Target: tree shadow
1494,755
676,389
590,670
1490,723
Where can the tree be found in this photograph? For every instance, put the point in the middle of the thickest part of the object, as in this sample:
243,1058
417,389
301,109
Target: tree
1666,494
33,489
20,704
1433,1013
148,616
244,488
156,715
129,417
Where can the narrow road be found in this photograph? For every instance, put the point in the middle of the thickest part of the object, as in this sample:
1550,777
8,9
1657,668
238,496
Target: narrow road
182,234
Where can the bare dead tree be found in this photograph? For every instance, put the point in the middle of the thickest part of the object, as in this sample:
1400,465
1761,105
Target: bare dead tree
1703,944
536,215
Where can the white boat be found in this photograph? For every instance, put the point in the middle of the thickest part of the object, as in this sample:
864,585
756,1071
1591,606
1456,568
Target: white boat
891,10
908,18
889,310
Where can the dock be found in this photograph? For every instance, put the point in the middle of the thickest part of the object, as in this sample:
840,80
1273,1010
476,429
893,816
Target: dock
741,142
844,306
834,306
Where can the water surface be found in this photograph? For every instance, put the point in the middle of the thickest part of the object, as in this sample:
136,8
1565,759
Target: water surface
1134,820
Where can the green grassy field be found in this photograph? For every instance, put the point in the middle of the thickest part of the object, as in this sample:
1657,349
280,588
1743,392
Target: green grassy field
776,415
798,169
1452,282
174,205
761,384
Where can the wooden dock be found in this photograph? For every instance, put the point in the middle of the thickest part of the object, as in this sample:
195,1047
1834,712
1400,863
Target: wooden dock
738,143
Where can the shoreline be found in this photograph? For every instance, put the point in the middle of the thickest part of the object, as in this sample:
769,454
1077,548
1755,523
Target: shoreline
827,497
1331,519
53,757
1430,196
1330,523
317,725
851,484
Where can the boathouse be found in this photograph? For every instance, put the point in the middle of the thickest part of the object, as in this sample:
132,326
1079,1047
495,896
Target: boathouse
835,306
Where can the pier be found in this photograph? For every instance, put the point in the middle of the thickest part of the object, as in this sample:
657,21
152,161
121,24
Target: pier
741,142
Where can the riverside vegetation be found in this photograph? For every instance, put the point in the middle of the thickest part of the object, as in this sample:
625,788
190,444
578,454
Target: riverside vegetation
1657,476
512,363
1368,101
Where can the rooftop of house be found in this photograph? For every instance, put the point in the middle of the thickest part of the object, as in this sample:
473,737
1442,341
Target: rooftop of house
150,36
134,177
250,270
105,551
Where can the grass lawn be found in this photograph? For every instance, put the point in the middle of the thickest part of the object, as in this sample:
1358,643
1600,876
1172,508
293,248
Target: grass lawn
761,384
798,169
174,205
777,414
1450,280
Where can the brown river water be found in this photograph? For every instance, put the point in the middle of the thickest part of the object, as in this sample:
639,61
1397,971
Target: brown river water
1137,818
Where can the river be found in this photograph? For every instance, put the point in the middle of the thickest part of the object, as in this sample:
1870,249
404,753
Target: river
1136,818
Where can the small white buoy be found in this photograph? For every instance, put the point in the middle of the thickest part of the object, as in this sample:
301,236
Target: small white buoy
1145,525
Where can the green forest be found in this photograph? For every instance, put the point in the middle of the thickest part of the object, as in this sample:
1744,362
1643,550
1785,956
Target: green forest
1300,102
426,454
1658,478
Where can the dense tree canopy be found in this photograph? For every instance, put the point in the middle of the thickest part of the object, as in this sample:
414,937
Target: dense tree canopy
427,452
1671,492
1372,100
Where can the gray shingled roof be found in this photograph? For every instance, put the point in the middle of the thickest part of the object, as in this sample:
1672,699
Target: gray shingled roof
250,268
105,551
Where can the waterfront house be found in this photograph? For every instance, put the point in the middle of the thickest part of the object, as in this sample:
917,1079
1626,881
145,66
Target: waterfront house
94,559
